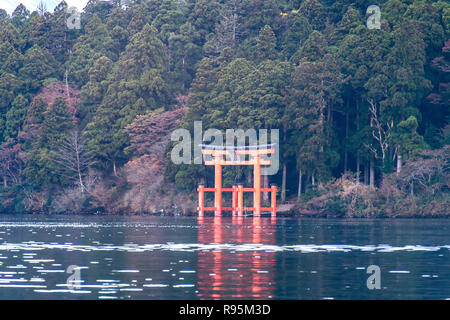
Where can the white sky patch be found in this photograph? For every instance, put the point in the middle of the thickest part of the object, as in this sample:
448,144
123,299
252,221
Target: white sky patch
80,4
11,5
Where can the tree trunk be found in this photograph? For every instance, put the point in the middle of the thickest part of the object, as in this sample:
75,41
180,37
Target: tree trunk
412,188
372,172
399,163
358,160
114,169
67,85
313,179
234,21
329,114
347,118
366,173
80,177
299,193
357,168
5,182
283,185
183,61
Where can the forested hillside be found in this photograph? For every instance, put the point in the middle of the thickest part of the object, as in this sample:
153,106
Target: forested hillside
363,111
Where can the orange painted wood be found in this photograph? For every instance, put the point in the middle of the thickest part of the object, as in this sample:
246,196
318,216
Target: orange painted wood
215,152
240,206
231,189
256,152
273,201
238,191
257,186
250,152
218,187
234,200
214,209
201,200
263,209
241,163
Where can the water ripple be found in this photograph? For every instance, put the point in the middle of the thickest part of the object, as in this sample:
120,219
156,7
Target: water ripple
303,248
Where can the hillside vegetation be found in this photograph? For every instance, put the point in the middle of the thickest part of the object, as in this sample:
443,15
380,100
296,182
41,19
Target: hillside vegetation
363,108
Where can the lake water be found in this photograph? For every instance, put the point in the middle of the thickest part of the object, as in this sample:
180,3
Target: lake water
224,258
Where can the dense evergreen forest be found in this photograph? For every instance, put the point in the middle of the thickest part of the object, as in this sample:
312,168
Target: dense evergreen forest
363,110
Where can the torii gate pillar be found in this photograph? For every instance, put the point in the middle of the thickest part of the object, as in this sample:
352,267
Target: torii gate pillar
257,186
254,153
218,189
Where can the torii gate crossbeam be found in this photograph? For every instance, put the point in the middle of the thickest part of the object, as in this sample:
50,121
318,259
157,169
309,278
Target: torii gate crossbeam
254,153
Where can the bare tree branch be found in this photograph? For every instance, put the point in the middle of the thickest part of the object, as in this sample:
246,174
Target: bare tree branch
73,159
381,134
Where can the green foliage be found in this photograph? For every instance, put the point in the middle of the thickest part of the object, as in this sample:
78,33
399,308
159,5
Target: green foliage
39,170
406,137
336,206
266,44
314,48
38,65
57,122
344,97
298,32
15,117
315,12
96,42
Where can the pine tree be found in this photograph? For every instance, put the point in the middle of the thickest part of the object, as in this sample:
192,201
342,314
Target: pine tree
139,82
15,117
38,65
106,140
315,85
39,170
33,123
93,93
266,44
9,85
409,142
314,48
11,35
4,18
201,90
297,33
96,42
57,122
314,11
20,16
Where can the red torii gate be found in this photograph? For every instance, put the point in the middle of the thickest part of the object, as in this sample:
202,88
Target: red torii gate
254,153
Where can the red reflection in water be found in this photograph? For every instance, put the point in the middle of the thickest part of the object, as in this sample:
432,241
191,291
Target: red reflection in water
228,274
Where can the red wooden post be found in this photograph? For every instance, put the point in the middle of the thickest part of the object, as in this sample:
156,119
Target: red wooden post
234,200
274,200
257,187
218,187
240,206
201,200
256,161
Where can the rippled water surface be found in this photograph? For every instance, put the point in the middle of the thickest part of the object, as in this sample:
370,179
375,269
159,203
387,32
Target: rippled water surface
224,258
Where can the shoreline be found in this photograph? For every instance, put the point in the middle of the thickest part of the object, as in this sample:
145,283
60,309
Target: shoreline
176,215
